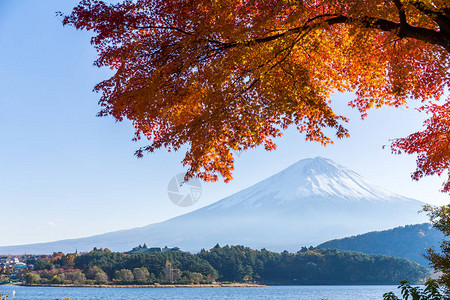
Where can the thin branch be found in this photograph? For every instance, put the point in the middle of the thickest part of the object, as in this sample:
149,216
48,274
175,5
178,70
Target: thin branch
165,28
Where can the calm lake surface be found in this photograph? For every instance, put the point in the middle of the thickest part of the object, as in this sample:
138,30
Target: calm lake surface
372,292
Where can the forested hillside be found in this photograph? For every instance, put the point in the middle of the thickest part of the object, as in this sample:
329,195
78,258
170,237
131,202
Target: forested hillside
406,241
310,266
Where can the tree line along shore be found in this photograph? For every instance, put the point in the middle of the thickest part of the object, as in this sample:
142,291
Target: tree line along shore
219,266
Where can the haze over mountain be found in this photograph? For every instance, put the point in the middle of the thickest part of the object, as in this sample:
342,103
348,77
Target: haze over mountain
312,201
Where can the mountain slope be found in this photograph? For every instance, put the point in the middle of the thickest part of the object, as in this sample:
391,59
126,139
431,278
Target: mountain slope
311,201
406,242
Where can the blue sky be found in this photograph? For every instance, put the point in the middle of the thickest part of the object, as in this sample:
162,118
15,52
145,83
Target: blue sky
66,173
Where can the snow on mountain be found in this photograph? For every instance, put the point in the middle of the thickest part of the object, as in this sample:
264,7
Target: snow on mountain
312,201
317,177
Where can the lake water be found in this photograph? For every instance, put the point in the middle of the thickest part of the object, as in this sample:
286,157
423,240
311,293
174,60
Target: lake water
372,292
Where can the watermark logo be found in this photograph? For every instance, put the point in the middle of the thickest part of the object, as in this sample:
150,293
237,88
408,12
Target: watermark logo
184,193
236,153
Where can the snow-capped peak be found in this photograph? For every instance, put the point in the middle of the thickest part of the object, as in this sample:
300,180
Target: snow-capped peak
310,178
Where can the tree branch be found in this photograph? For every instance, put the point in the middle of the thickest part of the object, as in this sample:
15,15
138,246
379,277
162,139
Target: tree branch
419,33
441,18
402,29
402,16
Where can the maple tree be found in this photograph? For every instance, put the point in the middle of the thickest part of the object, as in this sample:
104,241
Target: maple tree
228,75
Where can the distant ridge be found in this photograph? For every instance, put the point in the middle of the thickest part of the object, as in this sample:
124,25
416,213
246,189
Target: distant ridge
312,201
406,242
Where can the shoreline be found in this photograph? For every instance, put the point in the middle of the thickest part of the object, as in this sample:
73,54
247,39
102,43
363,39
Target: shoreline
145,285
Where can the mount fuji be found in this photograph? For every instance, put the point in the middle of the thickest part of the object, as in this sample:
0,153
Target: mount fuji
312,201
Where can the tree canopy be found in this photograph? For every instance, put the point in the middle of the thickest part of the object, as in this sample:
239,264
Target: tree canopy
231,263
224,76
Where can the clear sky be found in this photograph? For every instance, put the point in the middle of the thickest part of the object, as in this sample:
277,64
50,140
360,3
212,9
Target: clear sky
67,174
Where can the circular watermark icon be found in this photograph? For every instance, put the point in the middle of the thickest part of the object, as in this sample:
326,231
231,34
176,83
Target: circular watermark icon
184,193
236,153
